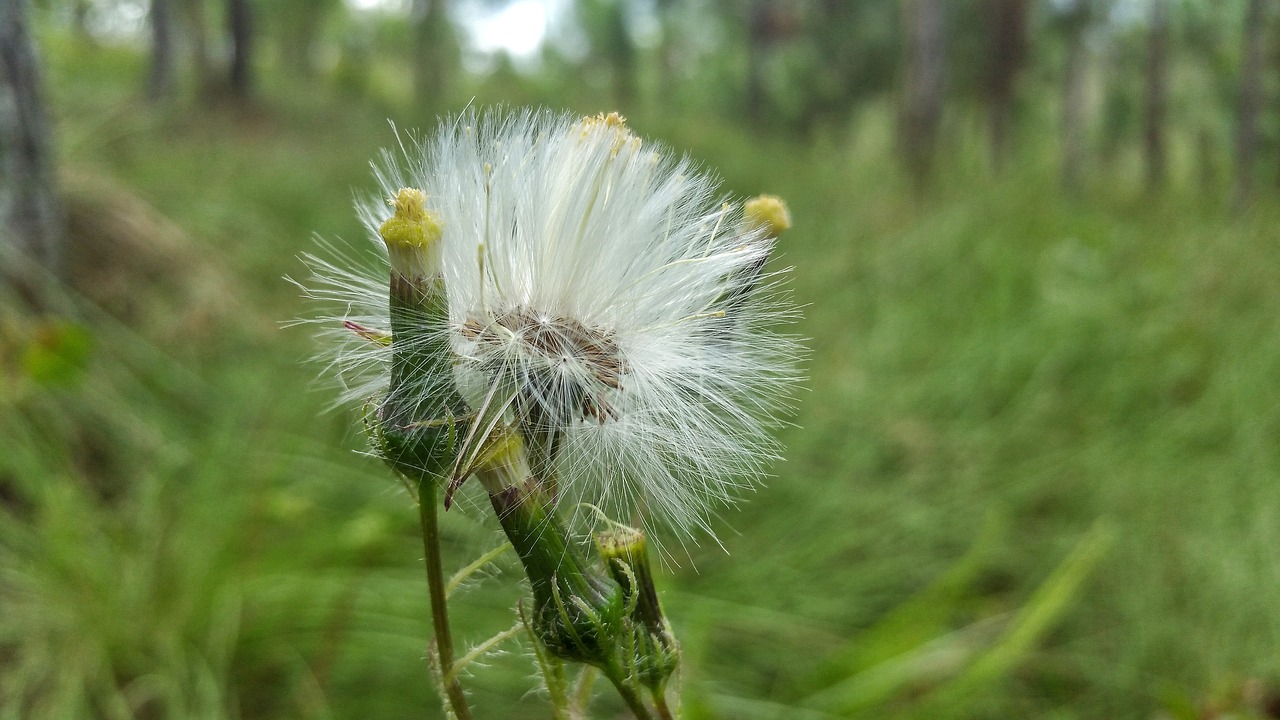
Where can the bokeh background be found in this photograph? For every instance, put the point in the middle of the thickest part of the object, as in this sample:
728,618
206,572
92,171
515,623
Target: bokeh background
1034,472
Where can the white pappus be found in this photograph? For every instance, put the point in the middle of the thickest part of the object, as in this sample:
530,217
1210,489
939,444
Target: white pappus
604,295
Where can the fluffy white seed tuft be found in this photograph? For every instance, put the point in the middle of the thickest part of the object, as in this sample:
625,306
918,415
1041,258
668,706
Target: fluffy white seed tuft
605,292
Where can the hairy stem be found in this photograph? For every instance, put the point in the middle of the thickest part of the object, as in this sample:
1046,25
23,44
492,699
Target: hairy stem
631,698
439,609
664,711
582,695
552,669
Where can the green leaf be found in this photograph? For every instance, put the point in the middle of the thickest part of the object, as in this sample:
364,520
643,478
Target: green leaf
58,354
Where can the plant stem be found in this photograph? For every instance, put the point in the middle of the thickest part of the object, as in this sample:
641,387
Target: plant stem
632,698
439,609
582,695
552,672
660,703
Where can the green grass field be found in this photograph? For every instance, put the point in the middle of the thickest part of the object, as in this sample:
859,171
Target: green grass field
1033,472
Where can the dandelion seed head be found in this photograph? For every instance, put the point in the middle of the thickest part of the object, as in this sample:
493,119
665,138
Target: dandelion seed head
609,291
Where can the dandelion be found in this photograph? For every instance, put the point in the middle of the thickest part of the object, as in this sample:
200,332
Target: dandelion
601,296
580,321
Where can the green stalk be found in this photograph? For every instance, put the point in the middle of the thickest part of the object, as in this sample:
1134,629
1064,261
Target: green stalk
631,698
553,673
582,695
420,452
577,611
439,608
664,712
414,427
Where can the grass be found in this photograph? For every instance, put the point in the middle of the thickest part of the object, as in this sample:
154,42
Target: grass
1033,474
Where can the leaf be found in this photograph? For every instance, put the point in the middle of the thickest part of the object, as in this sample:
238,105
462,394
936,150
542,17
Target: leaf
58,353
916,622
1041,613
958,664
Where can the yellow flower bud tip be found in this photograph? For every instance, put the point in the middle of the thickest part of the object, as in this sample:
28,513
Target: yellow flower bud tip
411,225
611,120
768,212
410,203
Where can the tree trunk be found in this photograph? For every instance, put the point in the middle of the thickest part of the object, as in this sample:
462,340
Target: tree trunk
1207,160
1073,117
160,77
668,56
198,34
1156,94
80,18
622,55
240,26
432,52
305,20
1007,45
1250,103
924,77
753,96
32,234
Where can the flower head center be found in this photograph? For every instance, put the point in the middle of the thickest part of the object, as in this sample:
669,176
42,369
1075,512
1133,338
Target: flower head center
567,367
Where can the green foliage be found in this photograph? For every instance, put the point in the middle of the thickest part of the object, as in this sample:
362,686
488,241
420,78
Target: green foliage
184,532
57,353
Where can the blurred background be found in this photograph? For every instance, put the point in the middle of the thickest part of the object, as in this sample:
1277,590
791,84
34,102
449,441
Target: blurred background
1033,474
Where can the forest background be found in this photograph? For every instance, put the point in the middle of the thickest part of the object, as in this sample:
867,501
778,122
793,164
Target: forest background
1034,472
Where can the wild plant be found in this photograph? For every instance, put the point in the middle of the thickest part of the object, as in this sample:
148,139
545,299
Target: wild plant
581,322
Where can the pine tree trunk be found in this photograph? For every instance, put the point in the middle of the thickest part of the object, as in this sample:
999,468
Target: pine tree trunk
1156,94
31,221
923,86
240,26
432,47
298,40
160,76
622,56
755,103
198,35
1007,48
80,18
1250,103
668,60
1073,117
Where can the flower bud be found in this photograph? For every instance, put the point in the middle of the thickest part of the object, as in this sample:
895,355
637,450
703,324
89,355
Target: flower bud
768,212
421,450
414,429
412,235
652,653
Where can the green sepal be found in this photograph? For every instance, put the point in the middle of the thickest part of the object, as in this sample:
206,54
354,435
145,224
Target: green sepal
651,658
416,426
422,450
